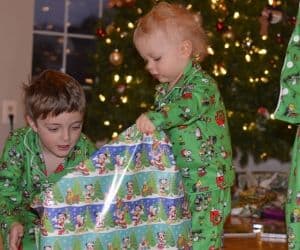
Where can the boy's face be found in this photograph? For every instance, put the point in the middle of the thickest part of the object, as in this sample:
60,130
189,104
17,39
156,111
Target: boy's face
58,134
165,58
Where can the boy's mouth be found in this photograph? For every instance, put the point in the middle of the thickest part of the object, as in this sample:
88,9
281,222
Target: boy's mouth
63,147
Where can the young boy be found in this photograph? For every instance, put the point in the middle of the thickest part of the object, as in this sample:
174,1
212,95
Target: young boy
40,154
189,108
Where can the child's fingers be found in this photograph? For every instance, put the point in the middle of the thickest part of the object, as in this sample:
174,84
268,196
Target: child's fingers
16,236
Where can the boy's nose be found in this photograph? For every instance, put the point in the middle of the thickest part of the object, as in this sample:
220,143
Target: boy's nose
66,135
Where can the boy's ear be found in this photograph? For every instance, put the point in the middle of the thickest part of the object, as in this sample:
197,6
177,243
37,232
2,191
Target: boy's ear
31,123
186,48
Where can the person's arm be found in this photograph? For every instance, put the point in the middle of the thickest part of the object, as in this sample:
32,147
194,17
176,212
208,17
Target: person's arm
12,209
288,107
187,109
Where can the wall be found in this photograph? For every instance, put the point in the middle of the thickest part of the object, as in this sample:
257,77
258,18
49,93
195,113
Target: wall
16,24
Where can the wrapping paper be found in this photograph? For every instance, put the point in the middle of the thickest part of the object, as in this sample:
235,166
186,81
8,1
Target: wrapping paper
128,195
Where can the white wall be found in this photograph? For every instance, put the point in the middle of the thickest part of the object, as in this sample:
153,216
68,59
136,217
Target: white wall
16,25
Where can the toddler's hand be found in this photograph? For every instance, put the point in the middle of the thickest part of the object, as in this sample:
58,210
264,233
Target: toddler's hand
144,124
15,236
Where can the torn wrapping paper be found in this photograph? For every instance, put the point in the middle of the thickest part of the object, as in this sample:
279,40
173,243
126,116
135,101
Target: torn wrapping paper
128,195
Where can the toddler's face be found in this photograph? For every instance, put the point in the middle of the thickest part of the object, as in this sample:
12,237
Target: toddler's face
163,55
58,134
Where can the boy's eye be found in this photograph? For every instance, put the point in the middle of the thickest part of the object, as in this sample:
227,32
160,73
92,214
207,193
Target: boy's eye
52,129
76,127
157,59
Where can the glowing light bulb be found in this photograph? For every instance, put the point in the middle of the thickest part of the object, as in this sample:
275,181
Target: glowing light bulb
102,98
128,79
116,78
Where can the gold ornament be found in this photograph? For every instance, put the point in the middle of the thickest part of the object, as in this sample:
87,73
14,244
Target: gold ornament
228,34
116,58
110,28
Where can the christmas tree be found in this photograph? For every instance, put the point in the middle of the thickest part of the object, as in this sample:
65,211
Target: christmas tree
248,41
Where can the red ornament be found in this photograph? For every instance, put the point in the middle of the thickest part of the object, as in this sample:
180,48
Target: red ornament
100,32
121,88
292,20
263,112
279,38
220,26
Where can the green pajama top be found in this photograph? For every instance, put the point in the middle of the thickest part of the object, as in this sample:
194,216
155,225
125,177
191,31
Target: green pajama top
23,176
288,107
193,115
288,110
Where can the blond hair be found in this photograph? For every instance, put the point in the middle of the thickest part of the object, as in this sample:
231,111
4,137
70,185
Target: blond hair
176,22
52,93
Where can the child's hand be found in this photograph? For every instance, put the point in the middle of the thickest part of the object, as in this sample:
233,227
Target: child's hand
144,124
15,236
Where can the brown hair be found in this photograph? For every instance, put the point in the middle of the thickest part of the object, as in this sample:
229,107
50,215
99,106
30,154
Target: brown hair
53,92
177,22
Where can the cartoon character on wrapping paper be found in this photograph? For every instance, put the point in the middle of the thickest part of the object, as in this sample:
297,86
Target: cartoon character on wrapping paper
163,186
146,189
102,160
156,160
182,243
69,196
144,245
42,224
172,214
137,212
152,214
99,225
82,168
120,218
89,193
126,243
60,222
79,223
130,193
119,202
161,240
110,246
47,248
138,161
90,246
49,199
119,162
